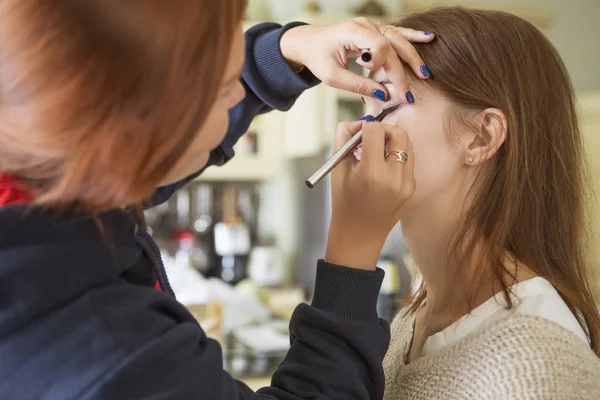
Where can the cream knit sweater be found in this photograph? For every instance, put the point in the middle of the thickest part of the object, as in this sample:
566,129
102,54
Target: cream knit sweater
522,357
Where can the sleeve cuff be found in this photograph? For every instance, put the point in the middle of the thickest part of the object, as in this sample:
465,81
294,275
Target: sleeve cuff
280,85
347,292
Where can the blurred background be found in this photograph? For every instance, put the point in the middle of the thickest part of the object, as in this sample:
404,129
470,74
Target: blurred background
241,243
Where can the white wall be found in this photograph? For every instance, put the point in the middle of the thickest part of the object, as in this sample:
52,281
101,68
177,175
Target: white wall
575,31
590,116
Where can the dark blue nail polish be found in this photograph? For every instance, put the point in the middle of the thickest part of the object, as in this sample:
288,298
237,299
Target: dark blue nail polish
366,57
428,33
410,97
368,118
425,70
379,94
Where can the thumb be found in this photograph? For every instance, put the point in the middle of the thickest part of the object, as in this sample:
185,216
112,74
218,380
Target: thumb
345,131
352,82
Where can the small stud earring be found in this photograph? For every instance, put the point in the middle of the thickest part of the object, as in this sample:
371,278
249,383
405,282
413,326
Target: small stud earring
470,160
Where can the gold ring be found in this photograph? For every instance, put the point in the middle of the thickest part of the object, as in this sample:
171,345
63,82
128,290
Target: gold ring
386,29
401,156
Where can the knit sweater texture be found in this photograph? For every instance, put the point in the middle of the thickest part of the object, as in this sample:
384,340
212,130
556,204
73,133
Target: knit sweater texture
521,357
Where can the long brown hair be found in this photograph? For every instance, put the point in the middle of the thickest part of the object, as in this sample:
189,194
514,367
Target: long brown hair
100,98
531,201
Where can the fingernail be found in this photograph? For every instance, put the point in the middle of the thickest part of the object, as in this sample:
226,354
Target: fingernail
368,118
410,97
366,57
427,33
425,70
379,94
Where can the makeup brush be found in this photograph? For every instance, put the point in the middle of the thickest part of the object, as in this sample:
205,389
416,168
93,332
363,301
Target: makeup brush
343,152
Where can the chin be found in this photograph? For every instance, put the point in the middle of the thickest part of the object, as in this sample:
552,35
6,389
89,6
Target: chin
179,172
201,162
193,168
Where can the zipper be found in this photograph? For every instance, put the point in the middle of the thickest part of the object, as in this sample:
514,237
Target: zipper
151,248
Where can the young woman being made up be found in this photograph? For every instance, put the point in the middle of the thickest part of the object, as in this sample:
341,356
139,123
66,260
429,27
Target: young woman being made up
496,225
108,104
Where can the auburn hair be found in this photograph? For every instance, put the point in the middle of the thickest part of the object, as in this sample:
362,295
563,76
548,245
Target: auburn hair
531,198
100,98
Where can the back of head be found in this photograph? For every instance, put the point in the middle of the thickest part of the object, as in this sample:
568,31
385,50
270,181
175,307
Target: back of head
530,197
99,98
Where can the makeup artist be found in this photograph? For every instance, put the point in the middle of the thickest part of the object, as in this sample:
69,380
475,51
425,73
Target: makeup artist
106,105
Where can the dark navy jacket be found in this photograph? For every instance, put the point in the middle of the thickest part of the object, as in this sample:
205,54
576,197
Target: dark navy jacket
79,321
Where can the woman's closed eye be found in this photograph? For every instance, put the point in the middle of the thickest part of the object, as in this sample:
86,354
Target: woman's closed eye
392,110
374,107
389,110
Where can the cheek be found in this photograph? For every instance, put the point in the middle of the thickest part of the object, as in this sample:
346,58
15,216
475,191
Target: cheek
213,130
196,156
436,167
435,158
238,93
210,137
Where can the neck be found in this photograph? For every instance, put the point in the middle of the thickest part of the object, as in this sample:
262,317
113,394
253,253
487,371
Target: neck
427,230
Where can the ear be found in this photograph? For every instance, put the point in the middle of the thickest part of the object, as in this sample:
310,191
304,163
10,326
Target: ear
489,134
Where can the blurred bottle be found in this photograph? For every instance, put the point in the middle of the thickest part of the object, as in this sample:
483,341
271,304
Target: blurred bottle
188,249
266,266
184,245
203,225
232,239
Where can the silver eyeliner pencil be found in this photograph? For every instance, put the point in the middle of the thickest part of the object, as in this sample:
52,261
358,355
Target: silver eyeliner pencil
346,149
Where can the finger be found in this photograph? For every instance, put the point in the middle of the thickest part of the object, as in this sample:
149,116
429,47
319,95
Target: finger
362,34
396,140
358,153
347,80
415,36
409,167
373,145
407,53
408,172
367,23
345,131
397,76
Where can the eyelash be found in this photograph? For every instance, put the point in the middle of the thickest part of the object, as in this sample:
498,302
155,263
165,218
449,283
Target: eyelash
397,107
